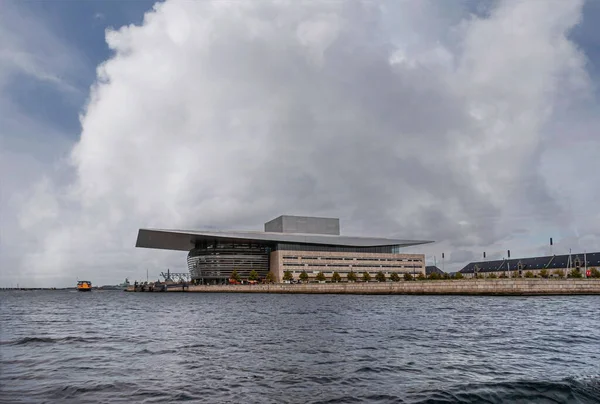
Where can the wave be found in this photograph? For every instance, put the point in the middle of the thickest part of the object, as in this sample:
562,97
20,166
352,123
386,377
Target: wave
49,340
583,391
77,392
571,390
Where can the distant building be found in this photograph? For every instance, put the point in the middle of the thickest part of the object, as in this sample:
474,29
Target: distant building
289,243
432,269
519,266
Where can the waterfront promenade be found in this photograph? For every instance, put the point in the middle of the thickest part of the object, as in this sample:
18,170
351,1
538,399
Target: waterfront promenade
521,286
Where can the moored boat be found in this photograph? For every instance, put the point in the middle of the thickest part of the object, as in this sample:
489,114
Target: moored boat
84,286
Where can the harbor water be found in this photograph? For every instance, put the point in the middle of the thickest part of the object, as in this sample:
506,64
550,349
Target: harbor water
111,346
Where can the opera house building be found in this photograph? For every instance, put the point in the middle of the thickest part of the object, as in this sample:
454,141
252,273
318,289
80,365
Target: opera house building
288,243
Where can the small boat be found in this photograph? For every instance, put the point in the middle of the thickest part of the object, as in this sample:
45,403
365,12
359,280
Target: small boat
84,286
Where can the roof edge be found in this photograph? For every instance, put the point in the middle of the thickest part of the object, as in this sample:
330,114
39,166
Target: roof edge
183,239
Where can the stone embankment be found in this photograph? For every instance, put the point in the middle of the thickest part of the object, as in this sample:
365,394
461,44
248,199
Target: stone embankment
440,287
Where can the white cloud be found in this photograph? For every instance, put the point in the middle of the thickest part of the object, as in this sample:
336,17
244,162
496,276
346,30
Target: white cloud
39,207
32,151
227,114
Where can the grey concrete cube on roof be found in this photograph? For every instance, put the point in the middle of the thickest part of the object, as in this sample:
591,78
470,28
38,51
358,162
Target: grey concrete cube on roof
304,224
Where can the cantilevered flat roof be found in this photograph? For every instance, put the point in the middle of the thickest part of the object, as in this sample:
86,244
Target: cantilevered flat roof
185,240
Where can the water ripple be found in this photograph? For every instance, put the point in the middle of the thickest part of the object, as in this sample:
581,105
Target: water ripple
210,348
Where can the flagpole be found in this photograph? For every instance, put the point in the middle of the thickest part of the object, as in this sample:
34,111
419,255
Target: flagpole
484,258
443,268
568,264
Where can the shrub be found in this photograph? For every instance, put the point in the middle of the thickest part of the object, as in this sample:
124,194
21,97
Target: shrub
559,272
303,276
380,277
408,277
366,277
492,276
503,276
528,274
515,274
544,273
594,273
287,276
394,277
235,276
253,276
320,277
421,277
351,276
269,278
458,275
434,276
479,276
446,275
336,277
575,273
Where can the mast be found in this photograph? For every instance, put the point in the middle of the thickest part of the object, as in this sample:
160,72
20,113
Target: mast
568,264
443,258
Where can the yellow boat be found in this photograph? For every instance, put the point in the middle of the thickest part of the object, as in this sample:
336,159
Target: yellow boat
84,286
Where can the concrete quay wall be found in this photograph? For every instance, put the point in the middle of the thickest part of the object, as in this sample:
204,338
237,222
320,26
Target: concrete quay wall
441,287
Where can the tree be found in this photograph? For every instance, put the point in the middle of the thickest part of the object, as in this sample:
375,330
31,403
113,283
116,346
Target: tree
366,277
594,273
351,276
287,276
253,276
408,277
303,276
321,277
575,273
492,276
528,274
336,277
380,277
394,277
421,276
269,278
434,276
235,276
458,275
544,273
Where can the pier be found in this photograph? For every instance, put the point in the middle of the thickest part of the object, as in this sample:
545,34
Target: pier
506,287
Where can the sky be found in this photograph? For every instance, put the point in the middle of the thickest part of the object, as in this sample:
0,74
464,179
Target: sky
475,124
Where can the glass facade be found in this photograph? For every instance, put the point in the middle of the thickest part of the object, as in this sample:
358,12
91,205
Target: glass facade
214,262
